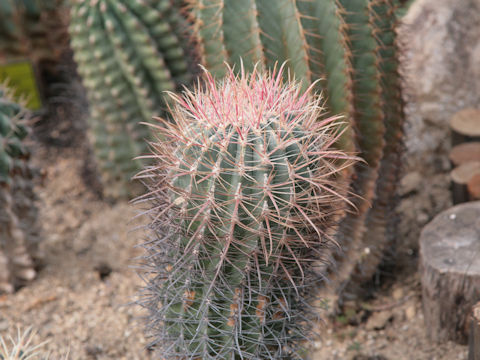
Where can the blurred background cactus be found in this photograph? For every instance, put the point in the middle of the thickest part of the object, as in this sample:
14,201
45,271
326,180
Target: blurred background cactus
28,28
18,213
350,48
246,192
129,52
32,39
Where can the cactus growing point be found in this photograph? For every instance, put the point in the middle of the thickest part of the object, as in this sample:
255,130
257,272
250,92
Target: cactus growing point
246,191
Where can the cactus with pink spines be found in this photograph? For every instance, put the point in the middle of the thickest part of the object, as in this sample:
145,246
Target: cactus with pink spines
348,48
246,189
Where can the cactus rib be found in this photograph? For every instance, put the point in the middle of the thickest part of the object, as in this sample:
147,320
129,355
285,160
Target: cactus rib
128,56
246,191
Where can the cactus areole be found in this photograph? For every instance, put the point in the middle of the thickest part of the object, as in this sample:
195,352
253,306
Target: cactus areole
246,192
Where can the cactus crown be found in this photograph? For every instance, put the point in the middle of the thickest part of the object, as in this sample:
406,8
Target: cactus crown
246,193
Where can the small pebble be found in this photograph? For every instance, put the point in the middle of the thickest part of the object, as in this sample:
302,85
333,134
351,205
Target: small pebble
410,312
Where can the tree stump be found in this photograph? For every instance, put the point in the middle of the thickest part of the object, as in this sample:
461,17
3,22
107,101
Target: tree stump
465,126
466,152
450,271
461,176
474,338
473,187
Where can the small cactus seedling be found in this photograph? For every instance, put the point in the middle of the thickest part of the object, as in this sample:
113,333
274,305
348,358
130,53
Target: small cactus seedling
246,191
18,233
128,53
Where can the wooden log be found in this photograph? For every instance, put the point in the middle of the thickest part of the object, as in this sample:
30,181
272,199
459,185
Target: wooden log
450,271
466,152
474,337
465,126
473,187
460,177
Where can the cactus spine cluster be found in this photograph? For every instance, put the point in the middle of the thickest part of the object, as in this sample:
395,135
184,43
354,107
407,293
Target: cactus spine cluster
18,231
32,29
129,52
350,47
246,191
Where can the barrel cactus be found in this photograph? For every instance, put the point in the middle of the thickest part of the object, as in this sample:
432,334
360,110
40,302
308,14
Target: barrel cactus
246,189
348,47
128,53
18,230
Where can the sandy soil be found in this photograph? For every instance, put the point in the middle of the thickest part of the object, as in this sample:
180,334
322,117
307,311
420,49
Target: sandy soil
79,302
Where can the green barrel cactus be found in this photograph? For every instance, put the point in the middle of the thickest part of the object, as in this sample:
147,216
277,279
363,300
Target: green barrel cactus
129,52
348,49
18,231
246,190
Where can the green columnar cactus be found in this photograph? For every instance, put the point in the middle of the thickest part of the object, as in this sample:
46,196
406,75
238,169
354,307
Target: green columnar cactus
18,232
128,54
378,222
348,47
32,29
246,191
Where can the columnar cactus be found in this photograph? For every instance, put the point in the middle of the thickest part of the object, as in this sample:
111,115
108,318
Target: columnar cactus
349,48
128,53
246,191
18,231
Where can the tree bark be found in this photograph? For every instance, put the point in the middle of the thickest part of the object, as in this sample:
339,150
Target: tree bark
474,338
450,271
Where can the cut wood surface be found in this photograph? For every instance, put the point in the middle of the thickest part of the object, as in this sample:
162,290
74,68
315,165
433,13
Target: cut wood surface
465,126
450,271
473,187
461,176
474,338
464,153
